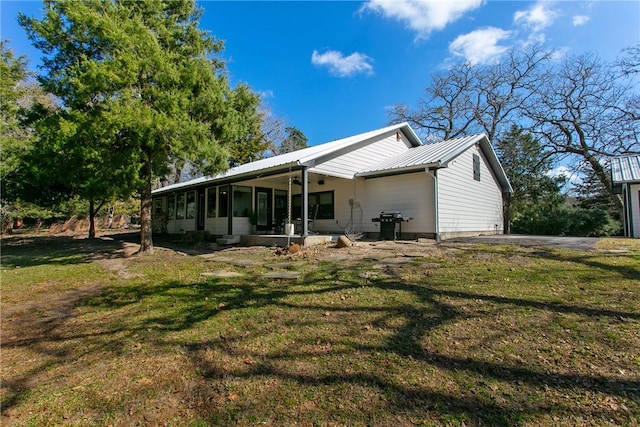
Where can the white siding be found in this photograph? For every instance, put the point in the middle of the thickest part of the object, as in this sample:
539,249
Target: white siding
410,194
635,208
179,226
347,163
466,205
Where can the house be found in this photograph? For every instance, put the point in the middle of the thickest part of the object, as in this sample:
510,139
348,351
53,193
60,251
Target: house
625,176
440,190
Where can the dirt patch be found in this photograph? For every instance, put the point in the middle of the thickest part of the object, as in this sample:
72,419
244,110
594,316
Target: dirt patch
116,261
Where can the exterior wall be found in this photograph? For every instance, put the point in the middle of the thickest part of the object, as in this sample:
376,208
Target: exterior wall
410,194
635,209
467,206
348,163
357,201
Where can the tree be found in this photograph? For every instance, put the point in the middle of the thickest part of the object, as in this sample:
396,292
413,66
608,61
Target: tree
583,110
629,62
294,140
526,165
470,98
280,137
13,135
543,211
21,100
138,80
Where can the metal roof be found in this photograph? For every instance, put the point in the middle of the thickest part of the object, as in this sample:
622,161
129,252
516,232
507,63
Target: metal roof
625,169
434,154
439,154
295,158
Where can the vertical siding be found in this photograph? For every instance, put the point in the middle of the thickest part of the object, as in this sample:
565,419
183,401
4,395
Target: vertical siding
346,164
466,205
635,208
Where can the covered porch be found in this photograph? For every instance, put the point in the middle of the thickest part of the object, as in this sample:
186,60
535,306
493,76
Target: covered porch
279,205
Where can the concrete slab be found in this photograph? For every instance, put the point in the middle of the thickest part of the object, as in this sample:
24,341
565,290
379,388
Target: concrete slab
222,274
574,243
245,262
395,261
288,275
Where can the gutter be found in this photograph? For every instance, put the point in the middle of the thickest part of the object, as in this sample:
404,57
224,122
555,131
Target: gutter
435,202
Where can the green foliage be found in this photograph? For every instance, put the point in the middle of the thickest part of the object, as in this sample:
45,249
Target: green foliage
540,210
141,92
295,140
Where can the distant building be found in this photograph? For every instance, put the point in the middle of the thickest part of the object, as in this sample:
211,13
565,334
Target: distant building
625,175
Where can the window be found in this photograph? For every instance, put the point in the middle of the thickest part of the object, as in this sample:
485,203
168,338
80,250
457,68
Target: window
180,206
211,202
224,201
476,167
171,206
157,207
323,202
241,201
191,204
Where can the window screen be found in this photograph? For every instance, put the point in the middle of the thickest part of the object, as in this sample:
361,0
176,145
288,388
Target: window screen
191,204
211,202
241,201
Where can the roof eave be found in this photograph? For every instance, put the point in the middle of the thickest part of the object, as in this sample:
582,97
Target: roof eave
225,178
398,171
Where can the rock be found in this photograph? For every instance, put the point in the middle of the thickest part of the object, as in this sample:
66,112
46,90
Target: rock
294,248
343,242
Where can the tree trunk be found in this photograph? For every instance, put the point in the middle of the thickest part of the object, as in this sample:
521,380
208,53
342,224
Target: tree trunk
92,217
146,241
110,216
506,226
92,221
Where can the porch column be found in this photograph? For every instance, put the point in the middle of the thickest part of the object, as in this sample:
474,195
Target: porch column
230,210
305,202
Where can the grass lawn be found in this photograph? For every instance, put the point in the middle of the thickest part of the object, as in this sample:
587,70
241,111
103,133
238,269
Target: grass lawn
386,334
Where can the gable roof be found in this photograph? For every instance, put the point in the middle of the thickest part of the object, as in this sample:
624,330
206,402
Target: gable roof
438,155
625,169
294,159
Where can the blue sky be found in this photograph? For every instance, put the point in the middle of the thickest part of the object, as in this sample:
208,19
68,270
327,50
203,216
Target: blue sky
333,68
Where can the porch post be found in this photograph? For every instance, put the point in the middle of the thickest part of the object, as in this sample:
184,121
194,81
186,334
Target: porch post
305,203
230,210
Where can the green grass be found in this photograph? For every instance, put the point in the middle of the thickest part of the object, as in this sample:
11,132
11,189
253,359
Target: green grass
461,335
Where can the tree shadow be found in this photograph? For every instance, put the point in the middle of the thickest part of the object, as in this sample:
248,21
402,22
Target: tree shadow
403,326
25,251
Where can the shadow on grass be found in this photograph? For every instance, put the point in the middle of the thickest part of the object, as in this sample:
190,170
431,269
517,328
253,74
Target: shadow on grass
30,251
177,307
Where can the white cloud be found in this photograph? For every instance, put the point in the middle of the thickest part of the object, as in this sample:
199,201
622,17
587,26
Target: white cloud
537,18
580,20
480,46
343,66
423,16
264,94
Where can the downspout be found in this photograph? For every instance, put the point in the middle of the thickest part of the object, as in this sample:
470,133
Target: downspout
435,203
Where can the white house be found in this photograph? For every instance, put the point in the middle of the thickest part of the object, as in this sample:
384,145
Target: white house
625,175
444,189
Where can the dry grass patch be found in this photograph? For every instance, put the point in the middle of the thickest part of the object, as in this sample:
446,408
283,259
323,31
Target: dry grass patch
458,335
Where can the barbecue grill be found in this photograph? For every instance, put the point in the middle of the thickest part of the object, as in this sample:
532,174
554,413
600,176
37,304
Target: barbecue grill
388,221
